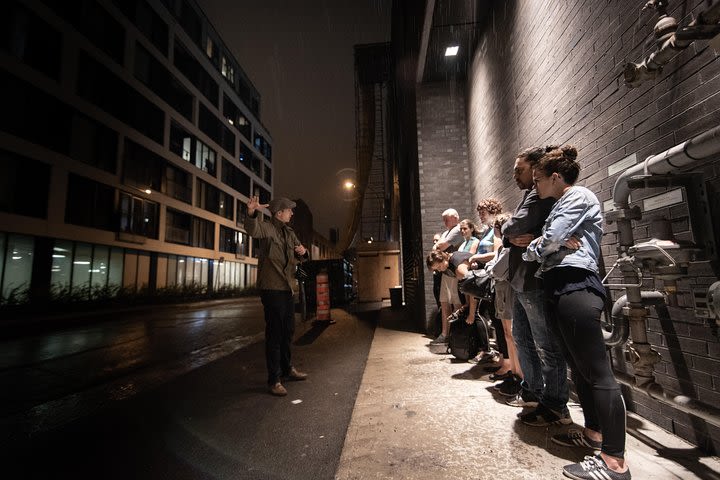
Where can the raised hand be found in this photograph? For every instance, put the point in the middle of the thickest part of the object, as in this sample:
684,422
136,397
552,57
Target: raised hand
253,204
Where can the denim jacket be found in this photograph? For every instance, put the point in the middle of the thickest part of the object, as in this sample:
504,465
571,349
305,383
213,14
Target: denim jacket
576,214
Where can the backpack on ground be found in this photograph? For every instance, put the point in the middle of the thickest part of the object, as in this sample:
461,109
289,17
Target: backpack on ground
464,339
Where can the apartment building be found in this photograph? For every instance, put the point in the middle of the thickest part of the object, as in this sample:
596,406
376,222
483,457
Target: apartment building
130,140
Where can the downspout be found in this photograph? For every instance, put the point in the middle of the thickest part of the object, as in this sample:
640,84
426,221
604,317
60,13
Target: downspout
671,40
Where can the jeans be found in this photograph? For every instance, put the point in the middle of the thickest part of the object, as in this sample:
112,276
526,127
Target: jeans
544,368
279,330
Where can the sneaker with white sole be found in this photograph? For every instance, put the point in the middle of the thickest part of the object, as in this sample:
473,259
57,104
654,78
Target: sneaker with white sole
524,399
543,416
594,468
575,437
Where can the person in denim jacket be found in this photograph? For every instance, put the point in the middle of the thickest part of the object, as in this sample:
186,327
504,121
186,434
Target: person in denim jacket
568,250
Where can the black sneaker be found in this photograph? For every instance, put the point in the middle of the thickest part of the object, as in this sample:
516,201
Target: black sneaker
576,438
524,399
505,381
594,468
510,388
543,416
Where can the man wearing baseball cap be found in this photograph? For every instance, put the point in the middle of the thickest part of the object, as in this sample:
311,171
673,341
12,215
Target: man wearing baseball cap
279,253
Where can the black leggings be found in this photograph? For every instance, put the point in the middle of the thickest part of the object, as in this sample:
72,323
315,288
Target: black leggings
575,318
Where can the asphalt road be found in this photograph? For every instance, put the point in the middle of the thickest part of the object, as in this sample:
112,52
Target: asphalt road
178,395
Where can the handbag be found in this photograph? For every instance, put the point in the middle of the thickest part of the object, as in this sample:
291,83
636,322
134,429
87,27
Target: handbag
476,283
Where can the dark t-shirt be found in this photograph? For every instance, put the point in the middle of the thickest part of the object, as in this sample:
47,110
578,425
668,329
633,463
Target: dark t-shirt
456,258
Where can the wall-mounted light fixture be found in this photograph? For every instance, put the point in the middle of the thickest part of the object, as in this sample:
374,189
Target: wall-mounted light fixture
452,51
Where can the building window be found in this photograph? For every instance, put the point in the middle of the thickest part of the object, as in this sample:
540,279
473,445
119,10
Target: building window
177,227
93,143
235,178
235,117
211,50
138,216
17,260
205,157
203,233
214,200
142,167
227,70
191,149
98,85
181,142
89,203
84,270
194,71
263,146
214,128
163,83
263,194
142,15
233,241
245,155
187,229
177,183
241,213
31,40
21,103
24,185
95,23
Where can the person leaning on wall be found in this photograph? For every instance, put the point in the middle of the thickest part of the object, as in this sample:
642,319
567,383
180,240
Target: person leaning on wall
568,250
280,251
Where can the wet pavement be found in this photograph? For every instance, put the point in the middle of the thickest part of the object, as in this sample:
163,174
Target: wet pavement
179,393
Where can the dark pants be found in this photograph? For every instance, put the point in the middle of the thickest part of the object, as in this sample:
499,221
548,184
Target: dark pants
575,317
279,330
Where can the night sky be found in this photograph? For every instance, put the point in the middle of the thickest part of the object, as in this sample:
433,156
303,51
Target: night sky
299,55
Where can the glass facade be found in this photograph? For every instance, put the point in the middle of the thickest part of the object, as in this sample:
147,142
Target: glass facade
17,267
106,170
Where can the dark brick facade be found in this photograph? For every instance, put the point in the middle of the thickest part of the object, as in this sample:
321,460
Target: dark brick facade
443,164
551,72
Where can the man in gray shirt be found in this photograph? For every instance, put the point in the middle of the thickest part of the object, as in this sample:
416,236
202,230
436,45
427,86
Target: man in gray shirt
449,241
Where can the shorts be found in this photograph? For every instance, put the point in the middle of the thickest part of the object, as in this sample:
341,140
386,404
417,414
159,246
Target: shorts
504,299
449,290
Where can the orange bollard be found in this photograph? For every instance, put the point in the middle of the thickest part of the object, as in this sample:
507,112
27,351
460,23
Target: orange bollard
322,290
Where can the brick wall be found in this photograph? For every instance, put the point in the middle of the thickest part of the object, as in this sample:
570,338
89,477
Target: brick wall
551,72
443,164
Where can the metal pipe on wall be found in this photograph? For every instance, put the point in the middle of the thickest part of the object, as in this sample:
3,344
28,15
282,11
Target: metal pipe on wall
670,44
643,357
681,402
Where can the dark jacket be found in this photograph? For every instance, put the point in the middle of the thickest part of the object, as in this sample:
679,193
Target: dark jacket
529,217
277,258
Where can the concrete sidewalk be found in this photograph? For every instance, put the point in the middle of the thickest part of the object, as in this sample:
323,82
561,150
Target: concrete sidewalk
419,416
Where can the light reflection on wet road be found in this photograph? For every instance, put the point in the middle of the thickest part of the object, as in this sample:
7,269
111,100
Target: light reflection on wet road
48,379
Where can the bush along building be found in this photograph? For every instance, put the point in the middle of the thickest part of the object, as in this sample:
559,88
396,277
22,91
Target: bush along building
130,141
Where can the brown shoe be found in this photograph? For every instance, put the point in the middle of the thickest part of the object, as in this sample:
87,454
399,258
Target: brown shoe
278,390
296,374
